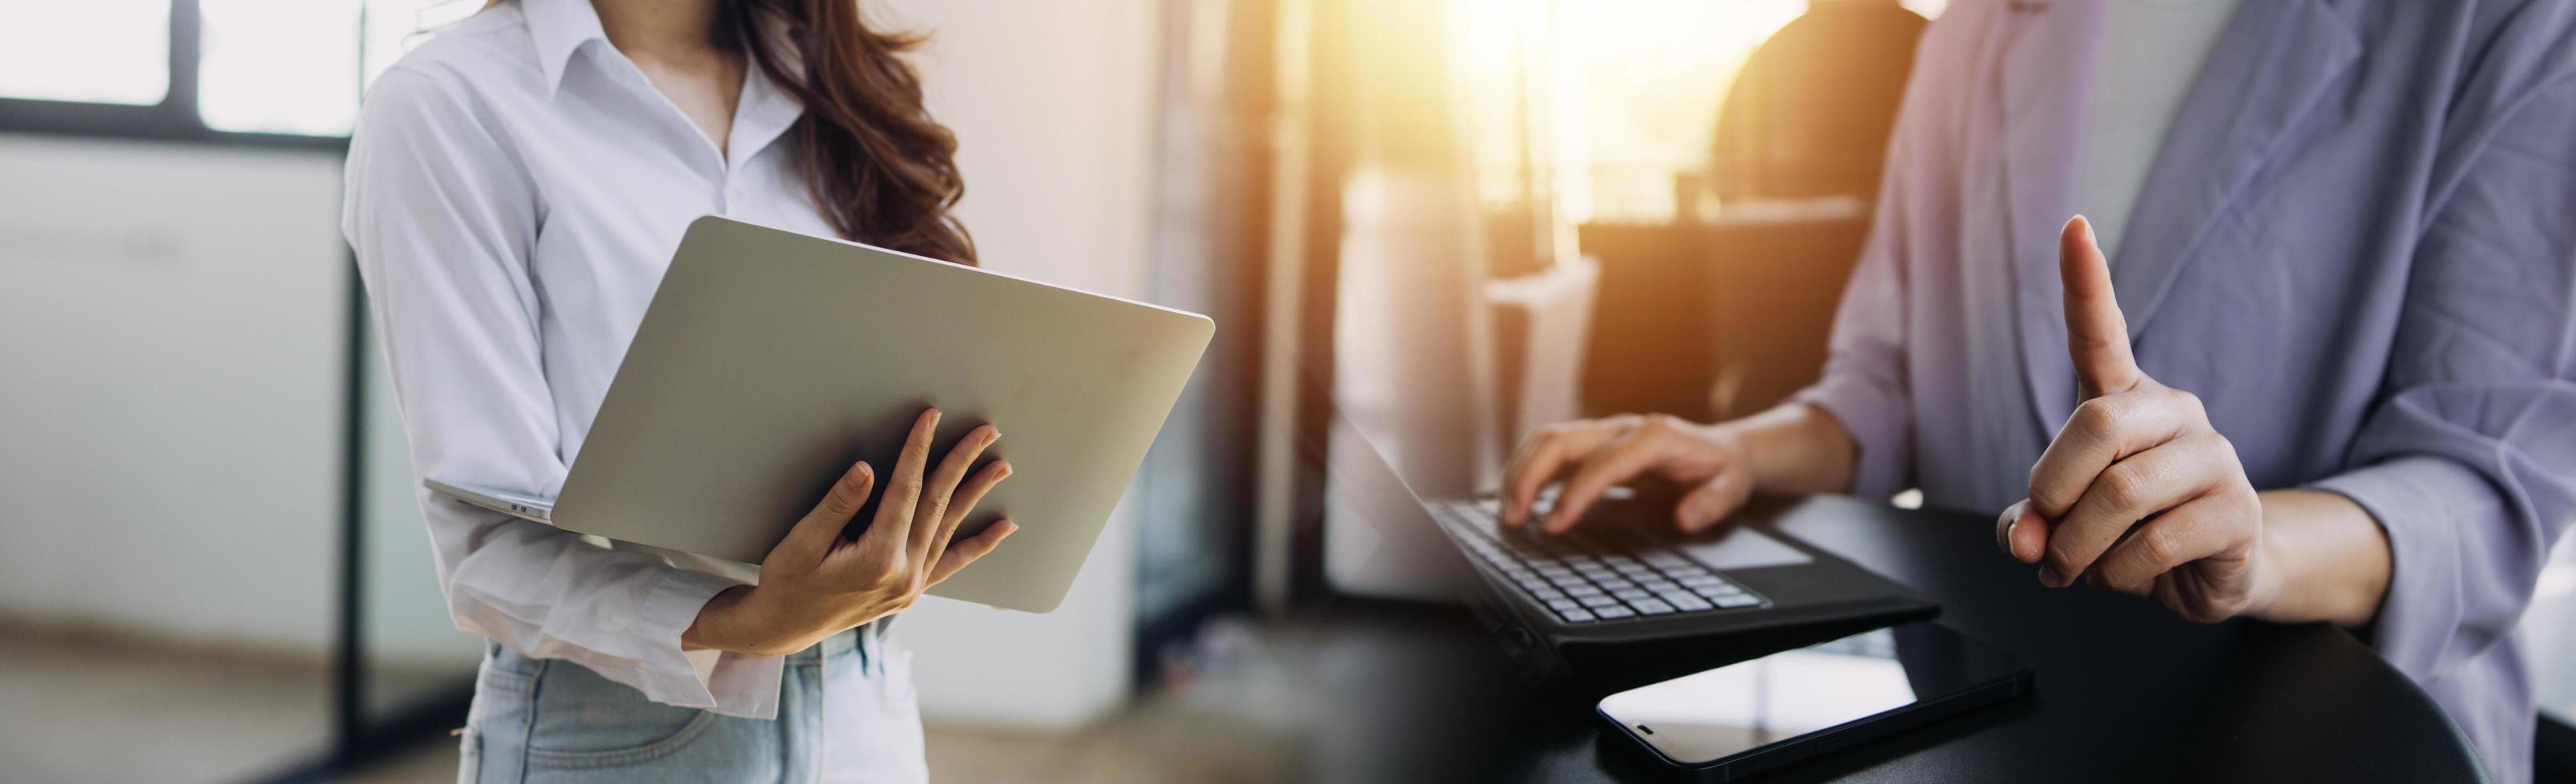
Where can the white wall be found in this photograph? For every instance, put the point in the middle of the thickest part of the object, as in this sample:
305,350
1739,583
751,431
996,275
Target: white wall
170,377
1053,107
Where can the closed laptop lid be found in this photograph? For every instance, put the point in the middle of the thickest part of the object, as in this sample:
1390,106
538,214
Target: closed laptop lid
769,361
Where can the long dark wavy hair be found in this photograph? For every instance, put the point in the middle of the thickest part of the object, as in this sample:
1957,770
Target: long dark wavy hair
884,172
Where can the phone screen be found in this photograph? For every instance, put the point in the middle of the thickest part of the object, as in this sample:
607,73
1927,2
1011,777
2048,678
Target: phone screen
1719,713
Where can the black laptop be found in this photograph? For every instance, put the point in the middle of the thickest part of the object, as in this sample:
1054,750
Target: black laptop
1624,597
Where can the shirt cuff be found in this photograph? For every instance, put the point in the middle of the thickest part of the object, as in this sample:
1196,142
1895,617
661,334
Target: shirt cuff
734,684
2419,502
1875,421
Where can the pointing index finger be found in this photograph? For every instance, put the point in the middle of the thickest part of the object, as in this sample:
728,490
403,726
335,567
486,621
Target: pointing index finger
2097,336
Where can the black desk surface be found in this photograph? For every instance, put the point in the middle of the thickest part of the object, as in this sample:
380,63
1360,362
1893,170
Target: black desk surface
2124,690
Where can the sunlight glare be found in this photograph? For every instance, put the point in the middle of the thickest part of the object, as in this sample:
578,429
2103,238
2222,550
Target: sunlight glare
279,66
93,51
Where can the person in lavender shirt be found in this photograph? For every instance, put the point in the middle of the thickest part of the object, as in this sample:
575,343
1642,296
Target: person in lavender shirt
2318,363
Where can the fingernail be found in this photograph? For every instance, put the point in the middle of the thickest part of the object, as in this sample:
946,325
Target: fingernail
1006,468
1009,527
2048,577
2011,528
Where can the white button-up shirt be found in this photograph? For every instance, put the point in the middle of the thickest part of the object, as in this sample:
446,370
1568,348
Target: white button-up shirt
515,189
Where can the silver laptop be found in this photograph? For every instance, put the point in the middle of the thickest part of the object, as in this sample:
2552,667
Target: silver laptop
769,361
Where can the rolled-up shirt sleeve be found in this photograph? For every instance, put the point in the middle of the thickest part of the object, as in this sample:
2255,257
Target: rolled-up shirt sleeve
1863,386
2468,462
443,220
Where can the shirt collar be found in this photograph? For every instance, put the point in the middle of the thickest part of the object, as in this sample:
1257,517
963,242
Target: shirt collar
559,28
766,111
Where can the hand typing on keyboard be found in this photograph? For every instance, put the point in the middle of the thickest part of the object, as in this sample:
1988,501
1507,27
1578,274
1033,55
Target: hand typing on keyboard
1597,454
1606,572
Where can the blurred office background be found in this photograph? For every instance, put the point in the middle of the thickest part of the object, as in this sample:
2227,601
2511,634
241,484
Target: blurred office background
1423,227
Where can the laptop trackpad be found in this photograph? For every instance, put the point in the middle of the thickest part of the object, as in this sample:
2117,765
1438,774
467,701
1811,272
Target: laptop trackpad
1740,547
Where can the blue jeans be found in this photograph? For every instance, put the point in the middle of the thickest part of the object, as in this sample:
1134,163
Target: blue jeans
547,721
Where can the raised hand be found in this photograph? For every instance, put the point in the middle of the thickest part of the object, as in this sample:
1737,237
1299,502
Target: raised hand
2138,493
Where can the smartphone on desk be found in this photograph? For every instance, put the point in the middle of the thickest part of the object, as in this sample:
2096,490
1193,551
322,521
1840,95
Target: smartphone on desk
1744,718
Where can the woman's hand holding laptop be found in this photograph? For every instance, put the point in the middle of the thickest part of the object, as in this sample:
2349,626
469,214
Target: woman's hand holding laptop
817,583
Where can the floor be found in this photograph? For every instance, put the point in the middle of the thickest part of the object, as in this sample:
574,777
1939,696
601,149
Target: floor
1238,709
1237,718
1157,741
72,700
1149,744
72,703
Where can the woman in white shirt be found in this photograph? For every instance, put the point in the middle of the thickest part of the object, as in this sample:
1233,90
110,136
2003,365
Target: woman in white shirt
515,187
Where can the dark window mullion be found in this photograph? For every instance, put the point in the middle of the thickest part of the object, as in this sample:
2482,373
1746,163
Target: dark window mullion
186,49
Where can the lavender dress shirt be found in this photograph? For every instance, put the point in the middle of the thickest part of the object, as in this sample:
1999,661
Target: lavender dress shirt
2358,246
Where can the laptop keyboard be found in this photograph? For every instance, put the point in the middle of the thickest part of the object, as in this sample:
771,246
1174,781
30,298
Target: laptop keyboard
1591,576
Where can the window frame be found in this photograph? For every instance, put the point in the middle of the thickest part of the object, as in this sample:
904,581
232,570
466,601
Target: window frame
175,118
359,731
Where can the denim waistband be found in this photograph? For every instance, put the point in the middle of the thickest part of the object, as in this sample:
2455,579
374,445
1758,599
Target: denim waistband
843,644
861,642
